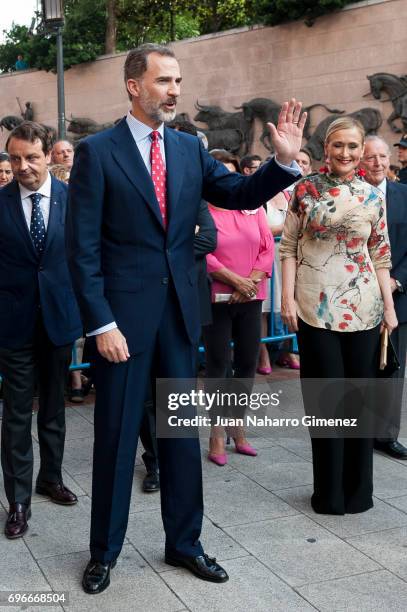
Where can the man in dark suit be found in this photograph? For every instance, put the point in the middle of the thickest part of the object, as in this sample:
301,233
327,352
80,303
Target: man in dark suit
135,192
376,162
39,321
402,157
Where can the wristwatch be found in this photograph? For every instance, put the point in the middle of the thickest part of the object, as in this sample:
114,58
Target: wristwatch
399,286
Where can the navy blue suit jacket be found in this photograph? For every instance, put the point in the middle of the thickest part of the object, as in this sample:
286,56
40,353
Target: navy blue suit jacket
28,281
121,258
396,206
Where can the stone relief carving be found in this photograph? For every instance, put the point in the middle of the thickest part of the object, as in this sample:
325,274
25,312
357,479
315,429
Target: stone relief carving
396,89
234,130
266,110
370,118
235,126
9,122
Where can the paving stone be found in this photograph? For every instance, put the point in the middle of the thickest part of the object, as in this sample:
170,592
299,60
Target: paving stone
235,500
145,531
372,592
77,426
275,468
18,569
211,471
386,472
55,529
266,458
134,585
297,445
381,516
398,502
389,548
85,410
251,587
300,551
78,456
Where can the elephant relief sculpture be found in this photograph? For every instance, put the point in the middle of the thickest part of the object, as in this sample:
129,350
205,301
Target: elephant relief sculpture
396,88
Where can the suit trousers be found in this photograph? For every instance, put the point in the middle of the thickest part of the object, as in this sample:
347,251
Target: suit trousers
43,362
121,390
393,393
343,467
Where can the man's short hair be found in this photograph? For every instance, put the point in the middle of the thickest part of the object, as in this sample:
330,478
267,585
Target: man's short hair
377,138
247,161
136,60
62,140
30,131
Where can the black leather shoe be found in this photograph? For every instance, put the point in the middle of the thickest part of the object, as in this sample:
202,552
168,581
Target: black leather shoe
17,521
151,482
203,567
76,396
393,448
57,492
96,577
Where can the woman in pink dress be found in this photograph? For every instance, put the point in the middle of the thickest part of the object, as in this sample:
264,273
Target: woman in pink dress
239,267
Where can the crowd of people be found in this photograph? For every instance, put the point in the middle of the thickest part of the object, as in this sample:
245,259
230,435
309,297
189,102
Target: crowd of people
158,243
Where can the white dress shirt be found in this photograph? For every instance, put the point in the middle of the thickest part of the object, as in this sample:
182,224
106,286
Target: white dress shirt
141,134
45,191
383,187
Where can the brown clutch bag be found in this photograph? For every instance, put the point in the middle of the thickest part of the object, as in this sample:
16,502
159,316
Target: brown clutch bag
389,362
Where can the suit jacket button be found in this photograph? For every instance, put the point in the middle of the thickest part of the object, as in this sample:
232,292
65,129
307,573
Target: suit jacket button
164,280
41,268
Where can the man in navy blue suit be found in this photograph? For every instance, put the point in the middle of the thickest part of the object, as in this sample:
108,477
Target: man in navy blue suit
376,162
135,193
39,321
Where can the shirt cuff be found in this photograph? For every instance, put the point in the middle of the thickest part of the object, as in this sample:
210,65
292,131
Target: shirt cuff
293,168
102,330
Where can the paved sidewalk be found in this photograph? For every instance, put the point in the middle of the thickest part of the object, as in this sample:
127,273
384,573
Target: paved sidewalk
258,523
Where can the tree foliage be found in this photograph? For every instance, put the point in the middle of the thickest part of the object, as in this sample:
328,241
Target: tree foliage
93,27
273,12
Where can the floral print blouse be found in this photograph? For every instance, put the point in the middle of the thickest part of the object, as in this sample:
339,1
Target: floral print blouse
336,229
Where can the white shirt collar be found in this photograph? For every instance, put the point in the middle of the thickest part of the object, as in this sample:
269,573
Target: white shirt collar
140,130
383,186
44,190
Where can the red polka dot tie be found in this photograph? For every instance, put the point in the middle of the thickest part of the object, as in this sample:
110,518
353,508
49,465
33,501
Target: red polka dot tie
158,174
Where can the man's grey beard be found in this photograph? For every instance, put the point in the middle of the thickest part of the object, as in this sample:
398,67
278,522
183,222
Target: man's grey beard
163,116
155,113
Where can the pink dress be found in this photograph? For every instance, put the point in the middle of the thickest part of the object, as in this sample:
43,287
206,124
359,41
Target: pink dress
245,243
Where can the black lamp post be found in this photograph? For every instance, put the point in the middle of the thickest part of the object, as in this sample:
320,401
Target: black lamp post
53,17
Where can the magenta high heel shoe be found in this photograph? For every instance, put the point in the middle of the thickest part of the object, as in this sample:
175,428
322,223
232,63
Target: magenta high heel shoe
264,371
245,449
218,459
288,362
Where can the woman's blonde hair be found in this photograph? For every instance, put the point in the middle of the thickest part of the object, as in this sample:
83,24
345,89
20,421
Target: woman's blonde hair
345,123
60,172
